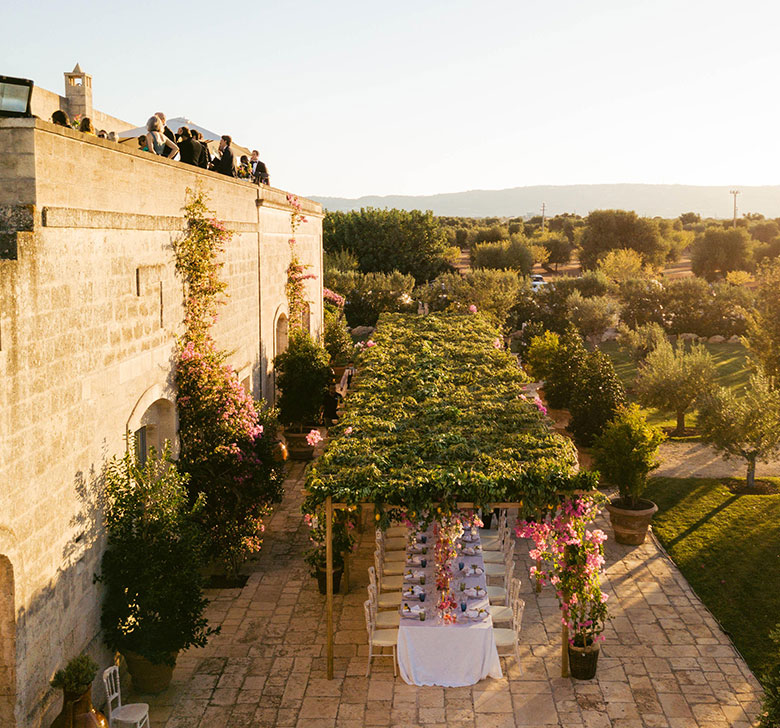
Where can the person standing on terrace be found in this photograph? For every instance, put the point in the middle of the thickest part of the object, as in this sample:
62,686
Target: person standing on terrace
190,150
259,170
226,164
165,130
156,141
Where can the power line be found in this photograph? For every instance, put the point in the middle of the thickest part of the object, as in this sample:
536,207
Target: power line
735,193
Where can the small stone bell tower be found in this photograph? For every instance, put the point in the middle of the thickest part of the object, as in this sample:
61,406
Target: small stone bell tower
78,92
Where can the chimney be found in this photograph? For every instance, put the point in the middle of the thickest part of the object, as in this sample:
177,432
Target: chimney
78,92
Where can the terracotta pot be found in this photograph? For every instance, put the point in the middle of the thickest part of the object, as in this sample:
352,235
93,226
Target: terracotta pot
147,676
583,662
630,525
338,373
297,446
77,709
280,452
321,578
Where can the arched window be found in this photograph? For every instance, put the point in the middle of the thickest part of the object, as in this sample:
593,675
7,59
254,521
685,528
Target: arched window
7,644
281,334
156,424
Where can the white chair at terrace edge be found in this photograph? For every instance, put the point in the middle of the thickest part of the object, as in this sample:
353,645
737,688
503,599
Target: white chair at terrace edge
385,581
500,593
493,540
508,639
499,569
393,548
390,567
504,613
134,714
379,638
385,619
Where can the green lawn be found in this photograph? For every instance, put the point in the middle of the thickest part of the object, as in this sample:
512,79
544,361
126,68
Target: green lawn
730,361
728,548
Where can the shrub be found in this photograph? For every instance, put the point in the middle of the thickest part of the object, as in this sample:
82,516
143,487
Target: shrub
564,370
542,352
151,568
625,452
77,676
686,304
592,316
639,342
607,230
671,379
763,334
641,302
622,265
336,339
302,376
515,254
596,397
770,715
718,251
368,295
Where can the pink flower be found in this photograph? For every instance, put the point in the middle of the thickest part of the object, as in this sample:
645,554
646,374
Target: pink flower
497,343
472,308
314,438
370,343
540,405
348,431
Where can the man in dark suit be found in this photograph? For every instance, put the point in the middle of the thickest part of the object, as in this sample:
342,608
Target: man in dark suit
205,156
226,164
259,170
167,132
190,151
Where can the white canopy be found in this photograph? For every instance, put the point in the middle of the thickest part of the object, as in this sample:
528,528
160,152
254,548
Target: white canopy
173,125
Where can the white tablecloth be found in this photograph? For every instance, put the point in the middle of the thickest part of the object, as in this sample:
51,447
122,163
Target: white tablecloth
448,655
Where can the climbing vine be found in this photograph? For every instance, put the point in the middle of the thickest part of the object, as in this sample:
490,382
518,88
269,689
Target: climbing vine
228,442
295,288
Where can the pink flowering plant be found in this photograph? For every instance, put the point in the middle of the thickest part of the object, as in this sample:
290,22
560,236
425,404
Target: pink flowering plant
344,538
295,288
228,442
571,560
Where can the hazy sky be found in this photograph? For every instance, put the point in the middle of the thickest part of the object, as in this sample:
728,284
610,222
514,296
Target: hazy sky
353,98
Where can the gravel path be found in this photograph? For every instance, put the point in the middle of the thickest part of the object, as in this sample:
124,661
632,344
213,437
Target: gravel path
695,460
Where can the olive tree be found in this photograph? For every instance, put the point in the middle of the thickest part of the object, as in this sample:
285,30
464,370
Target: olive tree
591,315
743,425
671,379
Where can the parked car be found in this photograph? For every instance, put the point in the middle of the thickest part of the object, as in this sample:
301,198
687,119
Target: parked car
537,281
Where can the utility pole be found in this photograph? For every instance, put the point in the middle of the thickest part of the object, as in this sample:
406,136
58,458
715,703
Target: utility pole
735,193
544,207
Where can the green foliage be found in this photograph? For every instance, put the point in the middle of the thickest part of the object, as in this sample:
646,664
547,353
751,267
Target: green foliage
715,252
492,234
686,301
622,264
563,370
744,425
770,716
436,417
559,248
153,602
343,538
542,352
591,283
515,254
597,396
592,316
639,342
607,230
625,452
341,260
413,242
641,302
671,379
336,339
368,295
493,292
689,218
302,376
77,676
763,333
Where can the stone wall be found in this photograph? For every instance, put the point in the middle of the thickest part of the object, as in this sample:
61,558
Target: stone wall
44,103
89,309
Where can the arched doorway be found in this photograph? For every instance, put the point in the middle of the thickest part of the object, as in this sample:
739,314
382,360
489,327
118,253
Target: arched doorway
7,644
152,423
282,334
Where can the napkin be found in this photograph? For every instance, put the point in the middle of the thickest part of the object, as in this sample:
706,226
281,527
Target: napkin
413,591
476,614
468,537
418,547
411,611
476,591
474,570
472,550
414,560
413,574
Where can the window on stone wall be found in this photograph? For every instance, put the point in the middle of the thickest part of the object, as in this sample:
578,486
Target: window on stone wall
141,446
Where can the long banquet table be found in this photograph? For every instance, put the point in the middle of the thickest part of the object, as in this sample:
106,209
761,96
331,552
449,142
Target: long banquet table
432,652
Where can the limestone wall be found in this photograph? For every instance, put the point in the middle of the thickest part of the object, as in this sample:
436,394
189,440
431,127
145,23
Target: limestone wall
44,103
89,309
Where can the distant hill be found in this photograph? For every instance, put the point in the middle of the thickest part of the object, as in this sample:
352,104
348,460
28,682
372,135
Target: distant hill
646,200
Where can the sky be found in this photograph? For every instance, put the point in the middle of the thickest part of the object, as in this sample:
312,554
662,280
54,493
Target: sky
347,98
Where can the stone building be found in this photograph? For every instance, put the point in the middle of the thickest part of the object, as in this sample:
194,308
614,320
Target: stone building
89,310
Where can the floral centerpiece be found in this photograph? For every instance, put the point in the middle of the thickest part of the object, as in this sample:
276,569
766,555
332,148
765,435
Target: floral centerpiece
572,561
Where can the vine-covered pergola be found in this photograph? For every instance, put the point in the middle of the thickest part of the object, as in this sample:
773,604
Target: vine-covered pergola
439,421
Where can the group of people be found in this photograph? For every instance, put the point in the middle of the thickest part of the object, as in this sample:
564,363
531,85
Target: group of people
187,143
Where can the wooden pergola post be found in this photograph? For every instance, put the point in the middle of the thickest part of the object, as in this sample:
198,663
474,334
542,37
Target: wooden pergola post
564,650
329,580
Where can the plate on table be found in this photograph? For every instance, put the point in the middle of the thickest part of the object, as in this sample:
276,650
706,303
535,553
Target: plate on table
476,592
472,550
411,611
476,615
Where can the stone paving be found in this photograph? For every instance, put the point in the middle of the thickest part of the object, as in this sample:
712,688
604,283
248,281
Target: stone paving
665,661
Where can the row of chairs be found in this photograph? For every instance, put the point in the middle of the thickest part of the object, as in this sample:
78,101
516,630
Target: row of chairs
386,582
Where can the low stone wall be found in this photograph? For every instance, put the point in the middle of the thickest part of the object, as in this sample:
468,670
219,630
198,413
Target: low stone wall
90,307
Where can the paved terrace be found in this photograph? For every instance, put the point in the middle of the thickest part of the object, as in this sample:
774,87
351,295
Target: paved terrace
665,661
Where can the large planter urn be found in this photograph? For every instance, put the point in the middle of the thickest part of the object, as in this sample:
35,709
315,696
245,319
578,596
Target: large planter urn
74,707
630,524
583,661
148,677
322,579
297,446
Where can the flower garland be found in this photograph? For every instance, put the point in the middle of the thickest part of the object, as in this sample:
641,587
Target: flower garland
573,558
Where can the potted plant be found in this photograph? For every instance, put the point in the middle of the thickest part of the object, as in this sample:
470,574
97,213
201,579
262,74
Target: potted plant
572,560
75,681
303,376
337,341
624,453
344,539
153,605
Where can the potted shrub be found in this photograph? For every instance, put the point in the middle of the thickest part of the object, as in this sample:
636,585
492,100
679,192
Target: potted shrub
572,558
302,376
75,681
153,605
343,543
624,454
337,341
